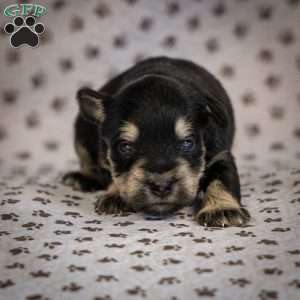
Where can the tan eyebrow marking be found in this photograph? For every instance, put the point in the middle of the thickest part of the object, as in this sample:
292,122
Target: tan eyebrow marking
183,128
129,131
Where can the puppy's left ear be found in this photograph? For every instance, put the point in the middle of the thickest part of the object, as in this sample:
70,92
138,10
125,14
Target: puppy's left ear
214,109
92,105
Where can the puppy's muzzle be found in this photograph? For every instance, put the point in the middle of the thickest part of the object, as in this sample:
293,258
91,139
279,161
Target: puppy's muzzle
161,188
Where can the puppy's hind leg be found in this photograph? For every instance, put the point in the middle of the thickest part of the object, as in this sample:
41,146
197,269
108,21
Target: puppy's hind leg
91,176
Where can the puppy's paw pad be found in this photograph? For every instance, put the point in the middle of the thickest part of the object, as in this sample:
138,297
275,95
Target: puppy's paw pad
223,218
110,204
79,182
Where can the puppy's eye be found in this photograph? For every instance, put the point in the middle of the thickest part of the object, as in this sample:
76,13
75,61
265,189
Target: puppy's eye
125,148
187,145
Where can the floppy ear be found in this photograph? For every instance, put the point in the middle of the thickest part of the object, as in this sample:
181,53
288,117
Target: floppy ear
91,105
217,110
214,109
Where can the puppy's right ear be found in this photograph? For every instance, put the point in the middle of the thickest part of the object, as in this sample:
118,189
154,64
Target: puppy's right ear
91,105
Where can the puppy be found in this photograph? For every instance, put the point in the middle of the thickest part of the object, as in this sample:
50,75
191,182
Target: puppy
155,138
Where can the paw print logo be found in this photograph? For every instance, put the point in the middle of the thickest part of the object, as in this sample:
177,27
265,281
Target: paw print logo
24,31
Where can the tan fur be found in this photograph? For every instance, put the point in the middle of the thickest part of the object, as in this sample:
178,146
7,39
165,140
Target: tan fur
99,114
86,163
183,128
102,161
108,201
134,180
129,132
130,183
112,190
96,109
125,186
191,177
217,198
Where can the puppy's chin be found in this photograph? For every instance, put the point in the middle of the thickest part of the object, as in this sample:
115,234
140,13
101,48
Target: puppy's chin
159,208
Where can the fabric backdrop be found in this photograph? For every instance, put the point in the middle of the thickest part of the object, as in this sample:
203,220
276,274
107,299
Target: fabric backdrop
52,243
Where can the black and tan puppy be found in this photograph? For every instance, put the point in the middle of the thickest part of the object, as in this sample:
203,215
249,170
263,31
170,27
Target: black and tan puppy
154,138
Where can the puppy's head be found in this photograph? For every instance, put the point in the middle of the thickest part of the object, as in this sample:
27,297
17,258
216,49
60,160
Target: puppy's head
153,133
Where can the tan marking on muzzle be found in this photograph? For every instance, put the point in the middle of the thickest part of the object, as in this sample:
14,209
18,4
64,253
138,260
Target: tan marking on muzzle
102,161
127,184
191,177
130,183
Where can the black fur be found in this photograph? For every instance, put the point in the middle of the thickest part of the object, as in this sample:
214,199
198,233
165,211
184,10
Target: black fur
153,95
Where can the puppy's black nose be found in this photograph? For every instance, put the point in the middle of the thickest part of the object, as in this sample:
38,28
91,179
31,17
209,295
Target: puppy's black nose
162,189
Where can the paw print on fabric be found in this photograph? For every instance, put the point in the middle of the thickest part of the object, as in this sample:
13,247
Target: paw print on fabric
24,31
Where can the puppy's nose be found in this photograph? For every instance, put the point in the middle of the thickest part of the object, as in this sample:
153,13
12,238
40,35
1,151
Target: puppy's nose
161,189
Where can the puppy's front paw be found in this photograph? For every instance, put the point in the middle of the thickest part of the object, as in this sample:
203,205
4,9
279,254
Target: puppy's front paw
223,218
220,208
111,204
80,182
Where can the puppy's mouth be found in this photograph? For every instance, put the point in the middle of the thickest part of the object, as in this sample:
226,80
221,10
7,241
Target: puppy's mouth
159,210
161,203
151,205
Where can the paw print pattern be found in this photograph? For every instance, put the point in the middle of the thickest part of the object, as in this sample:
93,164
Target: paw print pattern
24,31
